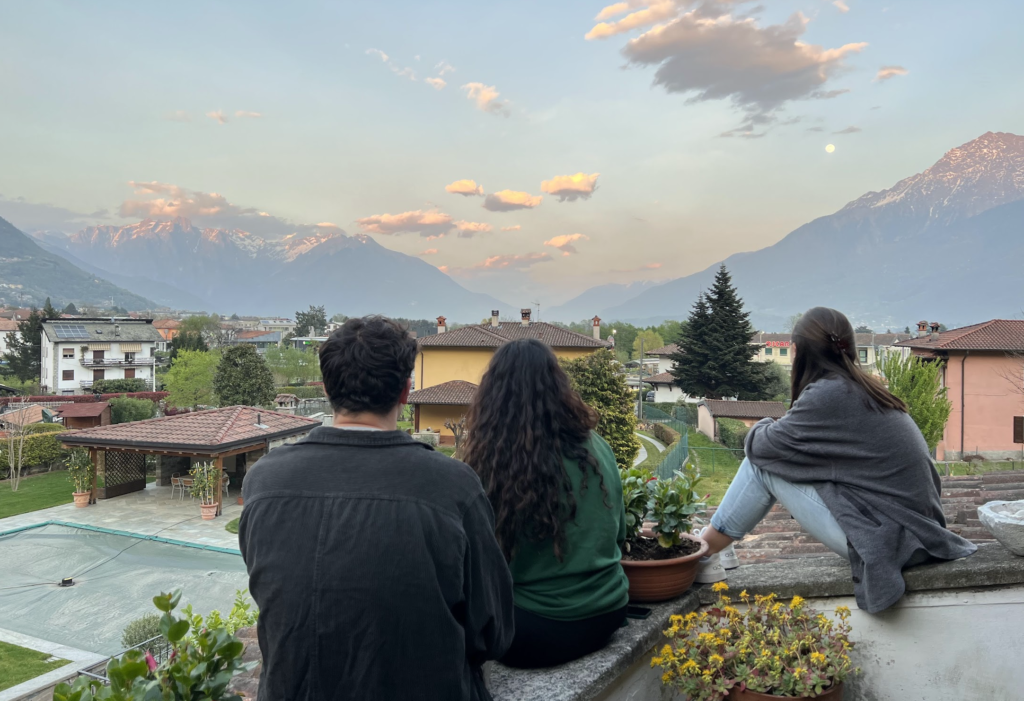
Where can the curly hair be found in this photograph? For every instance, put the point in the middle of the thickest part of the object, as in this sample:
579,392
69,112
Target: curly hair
524,421
366,364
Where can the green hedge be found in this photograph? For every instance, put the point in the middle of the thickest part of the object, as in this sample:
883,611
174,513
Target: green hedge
665,434
313,392
127,384
40,449
125,409
732,433
44,428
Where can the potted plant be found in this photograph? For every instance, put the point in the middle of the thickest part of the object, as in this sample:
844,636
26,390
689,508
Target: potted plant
660,561
79,468
771,650
205,483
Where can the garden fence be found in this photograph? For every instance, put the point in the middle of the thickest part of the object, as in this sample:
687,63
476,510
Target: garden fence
679,452
707,458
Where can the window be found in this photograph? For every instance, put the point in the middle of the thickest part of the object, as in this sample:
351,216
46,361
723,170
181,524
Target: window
67,375
67,353
783,352
1018,429
67,391
98,354
98,375
768,351
129,357
129,373
862,353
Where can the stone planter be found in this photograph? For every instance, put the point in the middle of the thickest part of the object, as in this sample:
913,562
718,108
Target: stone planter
209,511
834,693
660,580
1005,521
81,499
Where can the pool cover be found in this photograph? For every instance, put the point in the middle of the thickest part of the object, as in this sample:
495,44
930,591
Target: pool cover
115,579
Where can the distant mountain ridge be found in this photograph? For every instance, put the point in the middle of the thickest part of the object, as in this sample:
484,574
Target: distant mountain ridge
230,270
29,274
943,244
596,299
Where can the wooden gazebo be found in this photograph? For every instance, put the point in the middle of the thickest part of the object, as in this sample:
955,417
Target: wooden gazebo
214,435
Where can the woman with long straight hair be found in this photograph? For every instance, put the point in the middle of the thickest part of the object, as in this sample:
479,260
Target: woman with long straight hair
848,463
557,498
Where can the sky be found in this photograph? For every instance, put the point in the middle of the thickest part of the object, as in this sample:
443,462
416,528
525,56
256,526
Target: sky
528,149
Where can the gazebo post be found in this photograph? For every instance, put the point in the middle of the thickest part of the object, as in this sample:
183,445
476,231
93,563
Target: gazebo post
92,458
220,486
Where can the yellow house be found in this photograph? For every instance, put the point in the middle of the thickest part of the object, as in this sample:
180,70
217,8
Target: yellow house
450,363
778,347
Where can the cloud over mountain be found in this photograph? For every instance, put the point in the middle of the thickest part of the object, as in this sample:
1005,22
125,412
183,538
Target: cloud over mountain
509,200
498,263
430,223
468,229
571,187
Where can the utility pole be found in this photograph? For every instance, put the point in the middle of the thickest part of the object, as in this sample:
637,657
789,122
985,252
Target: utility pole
640,385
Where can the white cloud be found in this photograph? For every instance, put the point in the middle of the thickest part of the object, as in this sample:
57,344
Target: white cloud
378,53
841,6
703,50
486,98
566,243
250,115
468,229
436,83
498,263
444,67
467,188
571,187
508,200
218,116
514,227
403,72
887,72
425,223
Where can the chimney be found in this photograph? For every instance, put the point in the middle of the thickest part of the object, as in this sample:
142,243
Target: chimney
494,318
441,324
526,316
922,329
597,328
935,330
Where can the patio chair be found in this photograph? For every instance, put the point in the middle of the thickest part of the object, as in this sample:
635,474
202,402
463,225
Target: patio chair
224,482
182,483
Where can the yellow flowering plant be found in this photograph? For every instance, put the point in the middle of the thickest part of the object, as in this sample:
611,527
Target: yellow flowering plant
772,647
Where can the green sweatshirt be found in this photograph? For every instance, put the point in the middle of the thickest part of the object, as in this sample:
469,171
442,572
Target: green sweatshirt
589,580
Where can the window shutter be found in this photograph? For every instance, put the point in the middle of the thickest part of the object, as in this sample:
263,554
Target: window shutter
1018,429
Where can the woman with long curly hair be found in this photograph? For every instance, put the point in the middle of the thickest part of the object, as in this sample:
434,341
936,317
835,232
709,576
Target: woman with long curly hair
848,463
557,498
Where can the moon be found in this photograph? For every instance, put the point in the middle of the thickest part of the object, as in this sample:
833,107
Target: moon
830,148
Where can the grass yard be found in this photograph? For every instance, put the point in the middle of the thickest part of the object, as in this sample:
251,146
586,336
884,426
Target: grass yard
717,467
232,526
653,456
405,425
19,664
980,468
35,492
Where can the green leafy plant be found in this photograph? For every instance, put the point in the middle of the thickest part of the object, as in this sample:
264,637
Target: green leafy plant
243,377
125,410
671,505
199,667
118,385
79,468
140,630
732,433
242,615
634,497
919,385
597,380
205,478
774,648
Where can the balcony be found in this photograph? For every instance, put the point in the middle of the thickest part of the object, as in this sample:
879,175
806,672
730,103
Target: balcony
138,360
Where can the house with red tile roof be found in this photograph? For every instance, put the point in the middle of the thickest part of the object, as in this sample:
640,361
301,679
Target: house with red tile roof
710,410
983,372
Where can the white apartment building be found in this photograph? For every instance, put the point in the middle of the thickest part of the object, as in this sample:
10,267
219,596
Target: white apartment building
76,353
285,326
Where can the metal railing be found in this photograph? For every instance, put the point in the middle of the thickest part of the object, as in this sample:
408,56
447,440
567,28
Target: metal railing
116,362
678,452
159,647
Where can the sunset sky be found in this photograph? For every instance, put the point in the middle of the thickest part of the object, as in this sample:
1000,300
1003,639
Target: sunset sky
525,148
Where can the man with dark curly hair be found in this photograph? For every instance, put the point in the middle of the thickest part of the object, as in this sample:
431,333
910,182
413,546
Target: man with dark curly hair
372,557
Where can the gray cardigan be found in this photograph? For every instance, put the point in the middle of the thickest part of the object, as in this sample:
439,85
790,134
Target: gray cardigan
873,470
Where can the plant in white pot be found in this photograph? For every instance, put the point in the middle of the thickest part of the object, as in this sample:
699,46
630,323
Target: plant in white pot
79,467
205,483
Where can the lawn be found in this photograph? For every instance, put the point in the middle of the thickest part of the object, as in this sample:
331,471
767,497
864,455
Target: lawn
980,468
232,526
19,664
35,492
653,456
717,465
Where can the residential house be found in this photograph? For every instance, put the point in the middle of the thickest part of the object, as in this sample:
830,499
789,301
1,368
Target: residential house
434,406
75,354
664,356
983,372
84,414
261,339
284,326
663,382
461,356
710,410
7,326
25,415
778,347
168,329
15,314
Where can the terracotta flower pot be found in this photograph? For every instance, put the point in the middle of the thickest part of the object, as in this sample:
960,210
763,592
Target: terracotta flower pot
81,499
833,693
661,580
209,511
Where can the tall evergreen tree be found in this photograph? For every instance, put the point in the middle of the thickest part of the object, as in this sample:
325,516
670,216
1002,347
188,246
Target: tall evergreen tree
24,345
243,377
312,322
71,309
715,354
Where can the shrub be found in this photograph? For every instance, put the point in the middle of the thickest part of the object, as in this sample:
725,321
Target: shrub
40,449
242,615
44,428
130,384
243,377
125,409
140,630
732,433
598,382
79,466
303,392
665,434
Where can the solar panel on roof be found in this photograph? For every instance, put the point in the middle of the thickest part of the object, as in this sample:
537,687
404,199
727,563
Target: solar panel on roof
65,330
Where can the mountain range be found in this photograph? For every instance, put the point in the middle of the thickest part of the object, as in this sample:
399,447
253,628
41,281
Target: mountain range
946,244
228,270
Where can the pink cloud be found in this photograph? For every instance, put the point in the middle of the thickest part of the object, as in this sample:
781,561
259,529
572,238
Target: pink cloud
566,243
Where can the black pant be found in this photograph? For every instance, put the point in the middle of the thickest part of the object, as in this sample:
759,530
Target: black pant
545,642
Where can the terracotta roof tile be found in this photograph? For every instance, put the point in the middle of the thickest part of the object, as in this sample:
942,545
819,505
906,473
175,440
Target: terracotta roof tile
166,324
455,393
8,325
722,408
32,414
486,336
997,334
82,409
663,378
203,431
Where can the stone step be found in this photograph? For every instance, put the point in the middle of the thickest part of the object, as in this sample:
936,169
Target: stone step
788,526
948,494
1010,476
975,533
1003,495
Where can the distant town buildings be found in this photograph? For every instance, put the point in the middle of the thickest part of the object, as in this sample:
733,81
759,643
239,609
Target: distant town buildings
76,353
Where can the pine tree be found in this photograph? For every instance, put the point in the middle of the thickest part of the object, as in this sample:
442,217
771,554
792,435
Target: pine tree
25,344
689,362
243,377
71,309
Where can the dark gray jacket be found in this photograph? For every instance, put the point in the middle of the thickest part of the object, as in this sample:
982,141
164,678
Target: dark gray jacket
873,471
373,561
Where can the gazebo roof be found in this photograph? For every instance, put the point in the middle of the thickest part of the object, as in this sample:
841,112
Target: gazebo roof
209,432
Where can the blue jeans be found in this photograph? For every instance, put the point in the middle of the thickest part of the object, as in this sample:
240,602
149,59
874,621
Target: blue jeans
752,494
